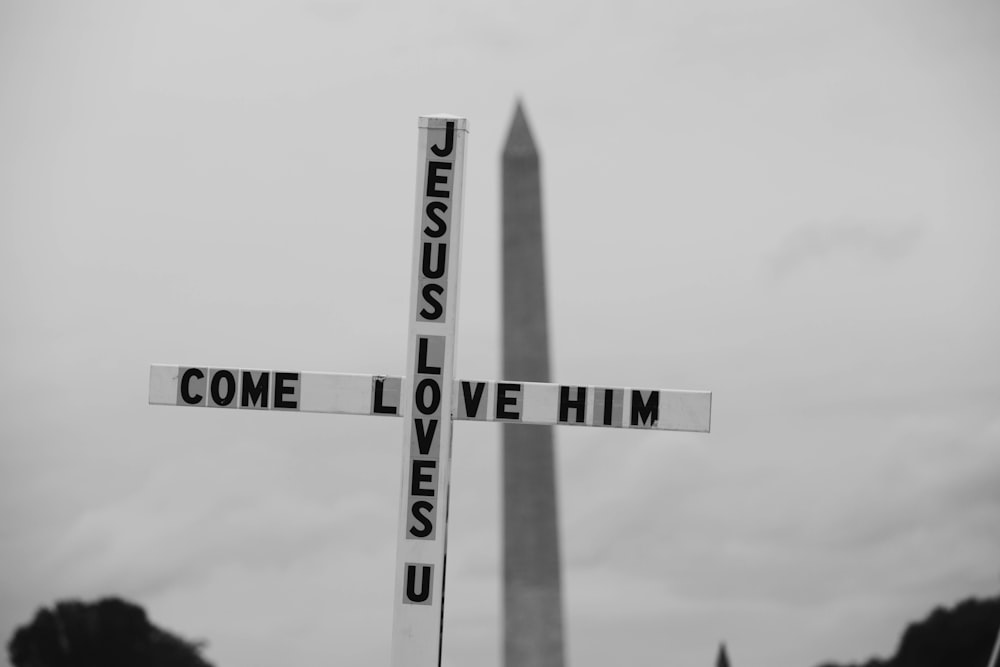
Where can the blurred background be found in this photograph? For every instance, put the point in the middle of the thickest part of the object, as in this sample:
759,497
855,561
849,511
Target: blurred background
792,204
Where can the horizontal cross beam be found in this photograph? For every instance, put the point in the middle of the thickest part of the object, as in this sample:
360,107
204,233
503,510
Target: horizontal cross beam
503,401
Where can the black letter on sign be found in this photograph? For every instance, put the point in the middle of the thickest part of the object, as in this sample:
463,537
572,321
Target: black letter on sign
609,405
417,477
412,596
503,400
378,408
472,398
449,140
417,510
579,404
434,211
280,390
648,413
423,368
254,395
428,292
433,178
425,436
185,389
425,407
219,399
442,257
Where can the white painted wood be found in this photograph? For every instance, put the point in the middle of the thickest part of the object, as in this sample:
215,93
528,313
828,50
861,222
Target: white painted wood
541,403
162,385
423,507
341,392
686,411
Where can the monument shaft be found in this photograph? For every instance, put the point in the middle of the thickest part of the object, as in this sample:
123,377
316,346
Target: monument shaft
533,632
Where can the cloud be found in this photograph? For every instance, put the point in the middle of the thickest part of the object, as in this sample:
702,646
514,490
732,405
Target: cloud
881,242
336,11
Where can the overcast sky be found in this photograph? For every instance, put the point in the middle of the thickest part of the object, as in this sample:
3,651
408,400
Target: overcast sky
792,204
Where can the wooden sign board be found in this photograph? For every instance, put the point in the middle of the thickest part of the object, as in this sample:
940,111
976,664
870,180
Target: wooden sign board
356,394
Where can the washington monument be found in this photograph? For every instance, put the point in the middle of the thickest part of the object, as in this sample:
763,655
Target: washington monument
532,598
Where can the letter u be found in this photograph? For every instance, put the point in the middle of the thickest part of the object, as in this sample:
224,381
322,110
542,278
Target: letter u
442,257
425,587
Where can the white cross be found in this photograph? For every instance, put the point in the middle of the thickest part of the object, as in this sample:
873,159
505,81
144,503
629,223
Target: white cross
433,397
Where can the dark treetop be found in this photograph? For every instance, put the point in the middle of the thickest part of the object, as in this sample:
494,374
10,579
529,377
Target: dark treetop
107,633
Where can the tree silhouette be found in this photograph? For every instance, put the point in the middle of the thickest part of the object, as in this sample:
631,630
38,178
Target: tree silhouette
107,633
722,660
959,637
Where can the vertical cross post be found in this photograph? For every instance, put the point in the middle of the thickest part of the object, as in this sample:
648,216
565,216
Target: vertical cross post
427,393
